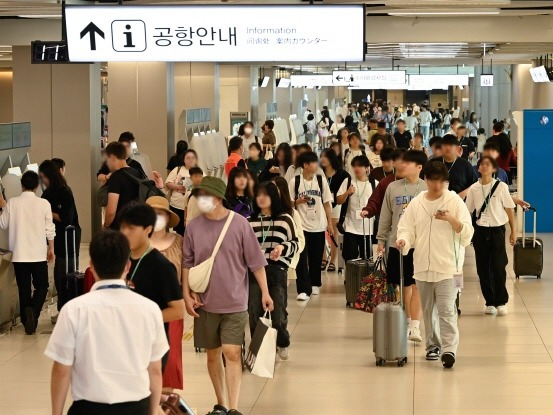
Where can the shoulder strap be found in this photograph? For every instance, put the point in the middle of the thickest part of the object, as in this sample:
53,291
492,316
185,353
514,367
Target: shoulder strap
134,178
320,181
296,186
485,204
223,234
256,139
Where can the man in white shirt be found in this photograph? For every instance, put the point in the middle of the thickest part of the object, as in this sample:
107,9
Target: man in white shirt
108,344
312,198
425,118
411,122
28,219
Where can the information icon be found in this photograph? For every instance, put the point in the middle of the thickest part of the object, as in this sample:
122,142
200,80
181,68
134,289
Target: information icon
128,35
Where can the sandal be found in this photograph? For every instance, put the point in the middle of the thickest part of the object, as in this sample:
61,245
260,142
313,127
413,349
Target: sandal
324,264
331,268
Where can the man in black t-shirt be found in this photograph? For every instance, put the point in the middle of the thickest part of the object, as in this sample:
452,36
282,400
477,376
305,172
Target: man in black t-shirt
461,172
151,274
122,189
466,143
402,137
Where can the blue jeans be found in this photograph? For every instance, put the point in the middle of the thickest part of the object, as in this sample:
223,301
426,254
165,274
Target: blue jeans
425,131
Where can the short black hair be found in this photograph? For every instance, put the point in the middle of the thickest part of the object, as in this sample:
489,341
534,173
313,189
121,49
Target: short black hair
361,161
381,124
409,113
450,139
398,153
373,121
60,163
126,137
195,170
492,145
310,117
400,121
454,121
415,156
435,140
234,144
307,158
493,161
354,135
117,150
29,180
109,253
270,124
387,153
304,146
256,145
498,126
436,170
138,214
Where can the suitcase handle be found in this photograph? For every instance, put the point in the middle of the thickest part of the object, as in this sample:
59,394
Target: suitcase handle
68,228
531,209
401,278
365,239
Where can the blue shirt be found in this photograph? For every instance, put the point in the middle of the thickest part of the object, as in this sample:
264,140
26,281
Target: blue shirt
501,175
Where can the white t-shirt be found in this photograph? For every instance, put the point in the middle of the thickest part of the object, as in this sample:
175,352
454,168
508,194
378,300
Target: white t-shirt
180,176
313,215
426,118
495,214
410,123
447,119
357,201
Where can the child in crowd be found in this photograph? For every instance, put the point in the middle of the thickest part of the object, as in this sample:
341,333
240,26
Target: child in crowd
353,195
312,198
399,195
492,207
238,196
438,225
190,201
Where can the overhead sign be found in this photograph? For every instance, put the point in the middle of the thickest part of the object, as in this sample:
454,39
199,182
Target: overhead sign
438,80
366,78
215,33
310,81
486,80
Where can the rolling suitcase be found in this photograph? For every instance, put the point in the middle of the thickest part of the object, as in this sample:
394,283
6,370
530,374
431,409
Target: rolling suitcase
528,252
390,329
72,283
356,271
341,264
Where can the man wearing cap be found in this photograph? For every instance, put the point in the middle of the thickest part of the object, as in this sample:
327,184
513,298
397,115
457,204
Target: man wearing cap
461,172
221,311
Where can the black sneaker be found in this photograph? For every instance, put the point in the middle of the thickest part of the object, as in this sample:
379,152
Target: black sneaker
234,412
218,410
30,325
448,360
433,354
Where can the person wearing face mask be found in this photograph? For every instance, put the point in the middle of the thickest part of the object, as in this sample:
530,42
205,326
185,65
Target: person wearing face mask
169,244
256,164
248,138
221,311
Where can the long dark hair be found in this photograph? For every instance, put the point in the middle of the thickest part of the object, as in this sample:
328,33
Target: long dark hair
287,150
271,190
230,193
330,154
49,169
285,199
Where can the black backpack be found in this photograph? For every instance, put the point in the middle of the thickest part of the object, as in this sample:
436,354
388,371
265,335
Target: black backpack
343,212
297,184
146,188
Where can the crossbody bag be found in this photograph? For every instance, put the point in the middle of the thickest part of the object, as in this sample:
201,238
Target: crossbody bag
199,276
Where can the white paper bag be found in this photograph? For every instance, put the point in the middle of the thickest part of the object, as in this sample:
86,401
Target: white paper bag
261,355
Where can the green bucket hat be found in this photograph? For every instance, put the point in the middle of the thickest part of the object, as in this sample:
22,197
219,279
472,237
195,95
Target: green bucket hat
212,185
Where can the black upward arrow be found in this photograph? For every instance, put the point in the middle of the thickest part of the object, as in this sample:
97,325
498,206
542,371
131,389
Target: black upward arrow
92,29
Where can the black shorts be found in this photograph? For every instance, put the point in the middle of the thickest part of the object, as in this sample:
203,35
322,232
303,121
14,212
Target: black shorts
392,270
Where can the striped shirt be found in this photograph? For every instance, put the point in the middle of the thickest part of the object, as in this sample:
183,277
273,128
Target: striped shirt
273,232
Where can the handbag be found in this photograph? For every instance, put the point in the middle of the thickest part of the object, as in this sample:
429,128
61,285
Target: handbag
375,289
269,155
169,192
261,356
199,276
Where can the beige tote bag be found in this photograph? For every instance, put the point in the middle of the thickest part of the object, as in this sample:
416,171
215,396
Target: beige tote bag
198,276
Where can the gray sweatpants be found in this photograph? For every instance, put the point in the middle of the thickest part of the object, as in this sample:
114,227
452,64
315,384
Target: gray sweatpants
440,314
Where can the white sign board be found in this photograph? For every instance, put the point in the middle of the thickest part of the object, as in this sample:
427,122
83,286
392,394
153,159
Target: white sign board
437,81
486,80
366,78
311,81
215,33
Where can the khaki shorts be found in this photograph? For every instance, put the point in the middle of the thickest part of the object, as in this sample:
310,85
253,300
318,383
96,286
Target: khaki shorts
211,330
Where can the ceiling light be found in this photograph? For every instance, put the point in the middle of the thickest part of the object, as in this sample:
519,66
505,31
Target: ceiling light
445,12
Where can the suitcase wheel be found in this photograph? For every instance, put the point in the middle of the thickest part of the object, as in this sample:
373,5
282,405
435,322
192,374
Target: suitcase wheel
517,276
349,305
402,362
379,362
539,277
340,270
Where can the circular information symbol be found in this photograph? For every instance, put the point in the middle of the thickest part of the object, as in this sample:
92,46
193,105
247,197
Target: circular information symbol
544,120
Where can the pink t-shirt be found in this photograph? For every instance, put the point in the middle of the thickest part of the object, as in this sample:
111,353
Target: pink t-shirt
227,291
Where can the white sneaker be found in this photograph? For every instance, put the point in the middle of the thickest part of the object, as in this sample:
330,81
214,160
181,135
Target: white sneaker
315,290
502,310
490,310
302,297
415,334
283,353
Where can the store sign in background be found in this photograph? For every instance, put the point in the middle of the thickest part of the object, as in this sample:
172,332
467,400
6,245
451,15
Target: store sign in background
215,33
311,81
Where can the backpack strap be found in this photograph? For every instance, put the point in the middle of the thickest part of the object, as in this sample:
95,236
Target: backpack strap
296,186
345,205
320,181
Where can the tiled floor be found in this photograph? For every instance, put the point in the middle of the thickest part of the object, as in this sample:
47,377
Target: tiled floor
504,367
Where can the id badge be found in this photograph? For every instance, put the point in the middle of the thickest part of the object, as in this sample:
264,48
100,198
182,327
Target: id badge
458,278
484,220
311,213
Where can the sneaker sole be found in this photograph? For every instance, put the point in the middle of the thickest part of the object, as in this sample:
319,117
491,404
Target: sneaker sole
433,359
448,361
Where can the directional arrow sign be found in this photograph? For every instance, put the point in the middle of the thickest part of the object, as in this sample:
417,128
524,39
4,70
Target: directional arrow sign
92,30
347,78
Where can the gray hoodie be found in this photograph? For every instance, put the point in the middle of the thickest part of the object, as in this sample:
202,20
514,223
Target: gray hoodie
395,202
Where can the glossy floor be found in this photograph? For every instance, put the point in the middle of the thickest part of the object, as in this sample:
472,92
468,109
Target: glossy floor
504,366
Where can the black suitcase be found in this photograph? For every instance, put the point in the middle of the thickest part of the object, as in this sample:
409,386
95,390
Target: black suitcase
356,271
528,252
72,283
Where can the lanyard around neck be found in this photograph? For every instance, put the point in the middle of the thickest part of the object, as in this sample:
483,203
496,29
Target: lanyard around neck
139,261
453,164
264,233
416,190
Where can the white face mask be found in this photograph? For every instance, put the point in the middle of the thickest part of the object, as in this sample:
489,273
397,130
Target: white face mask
248,130
206,204
161,223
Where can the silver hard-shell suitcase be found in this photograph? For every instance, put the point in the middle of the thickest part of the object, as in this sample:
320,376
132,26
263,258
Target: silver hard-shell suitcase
390,329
